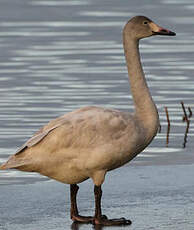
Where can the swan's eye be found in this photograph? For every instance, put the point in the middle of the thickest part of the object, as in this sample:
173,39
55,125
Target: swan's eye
145,22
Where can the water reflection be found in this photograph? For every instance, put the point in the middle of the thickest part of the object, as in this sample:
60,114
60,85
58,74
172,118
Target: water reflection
77,226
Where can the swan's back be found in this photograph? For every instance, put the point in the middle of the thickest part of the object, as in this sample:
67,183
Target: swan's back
87,127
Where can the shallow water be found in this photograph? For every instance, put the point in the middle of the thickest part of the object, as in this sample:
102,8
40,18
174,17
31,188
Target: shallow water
57,56
151,196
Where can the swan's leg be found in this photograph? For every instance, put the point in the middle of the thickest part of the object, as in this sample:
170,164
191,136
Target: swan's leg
74,210
99,218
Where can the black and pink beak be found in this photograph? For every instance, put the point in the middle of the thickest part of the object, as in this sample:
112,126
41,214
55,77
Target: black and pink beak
157,30
163,31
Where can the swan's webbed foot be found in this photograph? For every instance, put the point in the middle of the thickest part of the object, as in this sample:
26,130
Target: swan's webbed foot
82,219
111,222
86,219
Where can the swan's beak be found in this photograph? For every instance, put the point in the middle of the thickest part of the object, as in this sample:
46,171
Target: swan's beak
157,30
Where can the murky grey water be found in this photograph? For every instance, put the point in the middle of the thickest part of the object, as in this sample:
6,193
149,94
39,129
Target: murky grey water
57,56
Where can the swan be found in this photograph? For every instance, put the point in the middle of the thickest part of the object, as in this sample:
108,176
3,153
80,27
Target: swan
91,141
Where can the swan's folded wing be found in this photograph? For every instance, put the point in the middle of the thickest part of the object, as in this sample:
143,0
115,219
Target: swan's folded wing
43,132
83,128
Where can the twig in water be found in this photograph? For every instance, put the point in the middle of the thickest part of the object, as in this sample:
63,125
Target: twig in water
188,123
159,128
168,128
184,111
190,112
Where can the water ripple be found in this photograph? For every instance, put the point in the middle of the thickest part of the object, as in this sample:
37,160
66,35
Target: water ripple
53,63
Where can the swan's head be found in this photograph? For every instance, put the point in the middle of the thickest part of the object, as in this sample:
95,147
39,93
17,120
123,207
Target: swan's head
141,27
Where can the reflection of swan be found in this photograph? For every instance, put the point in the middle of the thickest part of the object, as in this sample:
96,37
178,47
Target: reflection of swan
76,226
89,142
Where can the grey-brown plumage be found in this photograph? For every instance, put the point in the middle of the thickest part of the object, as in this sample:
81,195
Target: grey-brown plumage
89,142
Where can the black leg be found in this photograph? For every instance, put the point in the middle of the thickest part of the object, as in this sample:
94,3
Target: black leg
98,196
74,210
100,219
73,192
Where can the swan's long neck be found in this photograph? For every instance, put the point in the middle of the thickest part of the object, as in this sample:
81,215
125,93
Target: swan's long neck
145,108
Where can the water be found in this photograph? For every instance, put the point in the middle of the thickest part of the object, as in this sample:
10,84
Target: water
152,197
57,56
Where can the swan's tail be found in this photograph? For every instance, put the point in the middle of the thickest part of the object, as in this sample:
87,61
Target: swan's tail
14,162
3,166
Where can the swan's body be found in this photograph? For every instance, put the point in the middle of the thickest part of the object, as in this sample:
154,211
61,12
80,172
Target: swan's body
90,141
83,143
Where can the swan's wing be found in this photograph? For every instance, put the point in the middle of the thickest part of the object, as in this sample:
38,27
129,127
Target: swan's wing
42,133
89,126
